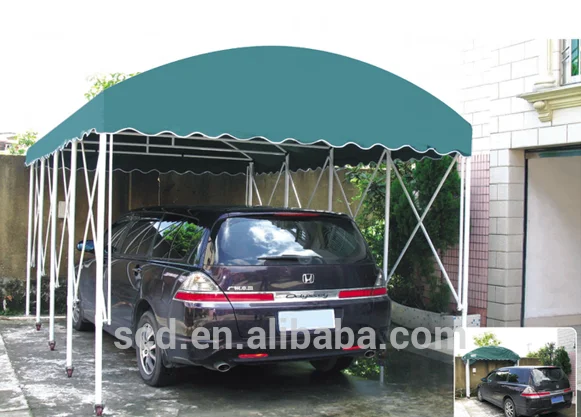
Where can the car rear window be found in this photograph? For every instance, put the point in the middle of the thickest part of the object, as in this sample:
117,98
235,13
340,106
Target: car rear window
280,240
543,375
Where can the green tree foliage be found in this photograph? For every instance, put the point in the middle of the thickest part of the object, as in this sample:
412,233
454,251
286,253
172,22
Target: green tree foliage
487,339
103,82
23,142
549,355
416,269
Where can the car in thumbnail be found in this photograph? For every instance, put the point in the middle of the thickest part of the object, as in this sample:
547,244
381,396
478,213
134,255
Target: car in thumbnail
240,268
527,390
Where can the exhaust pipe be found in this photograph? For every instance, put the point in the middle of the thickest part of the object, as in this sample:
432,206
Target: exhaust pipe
369,354
222,367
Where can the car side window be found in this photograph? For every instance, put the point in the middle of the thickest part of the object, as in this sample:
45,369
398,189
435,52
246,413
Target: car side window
177,238
513,376
117,234
502,376
491,377
138,239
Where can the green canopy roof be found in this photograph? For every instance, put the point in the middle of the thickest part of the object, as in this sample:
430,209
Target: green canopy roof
490,353
269,94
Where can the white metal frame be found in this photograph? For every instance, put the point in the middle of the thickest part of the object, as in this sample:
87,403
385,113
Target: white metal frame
103,182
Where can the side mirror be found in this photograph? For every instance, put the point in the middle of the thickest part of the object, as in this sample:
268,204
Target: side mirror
484,380
89,246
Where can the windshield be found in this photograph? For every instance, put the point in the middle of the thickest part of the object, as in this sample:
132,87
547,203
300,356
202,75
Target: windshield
289,240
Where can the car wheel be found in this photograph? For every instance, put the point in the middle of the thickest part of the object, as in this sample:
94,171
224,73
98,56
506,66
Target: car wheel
479,395
332,365
79,322
509,408
149,356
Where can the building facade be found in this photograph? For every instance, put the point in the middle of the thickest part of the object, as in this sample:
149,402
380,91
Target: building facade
523,99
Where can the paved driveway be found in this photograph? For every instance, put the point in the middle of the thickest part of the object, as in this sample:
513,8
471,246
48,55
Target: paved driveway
474,408
414,385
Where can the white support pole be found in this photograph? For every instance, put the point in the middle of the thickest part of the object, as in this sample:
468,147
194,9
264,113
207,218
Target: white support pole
331,170
34,232
99,264
246,191
109,223
370,183
461,228
345,199
250,180
71,258
53,255
387,211
257,193
295,191
276,183
29,248
286,179
467,379
316,188
39,259
466,242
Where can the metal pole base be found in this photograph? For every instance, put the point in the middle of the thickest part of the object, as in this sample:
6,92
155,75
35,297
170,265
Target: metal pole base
99,409
51,344
38,324
70,370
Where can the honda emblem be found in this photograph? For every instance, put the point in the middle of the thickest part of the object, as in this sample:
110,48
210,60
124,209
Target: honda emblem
309,278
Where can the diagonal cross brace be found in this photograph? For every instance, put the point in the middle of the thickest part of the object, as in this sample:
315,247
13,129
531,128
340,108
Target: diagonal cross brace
421,225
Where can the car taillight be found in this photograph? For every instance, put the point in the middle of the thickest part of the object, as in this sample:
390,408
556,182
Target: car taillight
379,291
364,292
200,297
249,296
355,347
253,355
355,293
529,392
199,287
567,390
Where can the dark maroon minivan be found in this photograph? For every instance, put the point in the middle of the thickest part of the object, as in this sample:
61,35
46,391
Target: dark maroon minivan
233,285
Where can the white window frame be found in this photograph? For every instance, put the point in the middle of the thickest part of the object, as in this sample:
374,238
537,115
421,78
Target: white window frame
566,77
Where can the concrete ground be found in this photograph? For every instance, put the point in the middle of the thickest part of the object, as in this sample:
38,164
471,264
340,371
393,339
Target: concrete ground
473,408
33,383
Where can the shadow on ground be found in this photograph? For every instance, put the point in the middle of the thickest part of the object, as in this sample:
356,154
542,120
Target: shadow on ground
414,385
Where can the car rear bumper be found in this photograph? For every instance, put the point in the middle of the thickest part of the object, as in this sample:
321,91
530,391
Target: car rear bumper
540,406
278,347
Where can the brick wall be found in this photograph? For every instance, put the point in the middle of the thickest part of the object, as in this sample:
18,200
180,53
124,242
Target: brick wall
478,268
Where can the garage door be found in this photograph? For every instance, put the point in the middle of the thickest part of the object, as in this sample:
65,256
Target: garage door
553,239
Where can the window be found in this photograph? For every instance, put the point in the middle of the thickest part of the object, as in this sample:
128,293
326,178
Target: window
117,235
177,238
138,240
519,376
501,376
274,240
570,61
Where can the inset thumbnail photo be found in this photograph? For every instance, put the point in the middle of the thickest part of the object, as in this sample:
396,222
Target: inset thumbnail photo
515,372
